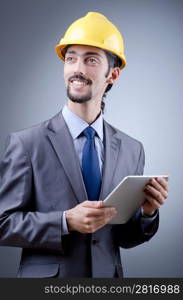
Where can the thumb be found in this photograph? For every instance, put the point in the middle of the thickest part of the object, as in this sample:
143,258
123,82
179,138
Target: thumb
93,204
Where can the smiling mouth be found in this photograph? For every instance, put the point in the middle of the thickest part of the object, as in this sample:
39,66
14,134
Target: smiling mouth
76,82
79,81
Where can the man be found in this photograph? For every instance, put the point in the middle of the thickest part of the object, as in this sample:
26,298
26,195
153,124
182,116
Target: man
55,175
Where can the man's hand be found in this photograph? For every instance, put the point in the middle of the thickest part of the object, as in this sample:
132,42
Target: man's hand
156,192
89,216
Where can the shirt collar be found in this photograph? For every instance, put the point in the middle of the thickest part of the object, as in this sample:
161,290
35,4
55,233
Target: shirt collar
76,125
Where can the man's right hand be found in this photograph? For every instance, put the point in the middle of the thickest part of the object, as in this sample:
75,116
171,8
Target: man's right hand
89,216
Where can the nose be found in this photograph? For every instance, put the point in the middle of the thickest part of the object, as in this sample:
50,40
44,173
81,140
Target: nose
79,67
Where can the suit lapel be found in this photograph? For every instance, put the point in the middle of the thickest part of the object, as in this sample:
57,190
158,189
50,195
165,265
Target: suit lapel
62,142
112,147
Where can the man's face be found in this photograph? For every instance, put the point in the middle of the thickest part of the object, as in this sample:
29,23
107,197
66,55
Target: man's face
85,71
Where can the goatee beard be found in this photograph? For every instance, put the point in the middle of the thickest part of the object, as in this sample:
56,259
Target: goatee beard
76,99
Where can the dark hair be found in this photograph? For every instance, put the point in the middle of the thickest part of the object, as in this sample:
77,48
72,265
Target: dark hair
113,62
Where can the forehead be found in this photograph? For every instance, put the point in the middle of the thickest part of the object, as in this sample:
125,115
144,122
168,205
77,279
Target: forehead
86,50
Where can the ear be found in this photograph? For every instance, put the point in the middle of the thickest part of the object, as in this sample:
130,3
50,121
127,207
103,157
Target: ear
114,75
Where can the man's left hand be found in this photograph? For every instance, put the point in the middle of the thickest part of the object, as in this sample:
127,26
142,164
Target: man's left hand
156,192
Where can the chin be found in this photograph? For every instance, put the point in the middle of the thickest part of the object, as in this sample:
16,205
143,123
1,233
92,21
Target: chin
79,98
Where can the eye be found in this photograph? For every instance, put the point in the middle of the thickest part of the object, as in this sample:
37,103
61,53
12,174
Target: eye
69,59
92,61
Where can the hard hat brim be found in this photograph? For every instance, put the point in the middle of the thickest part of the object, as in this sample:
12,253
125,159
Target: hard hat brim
63,44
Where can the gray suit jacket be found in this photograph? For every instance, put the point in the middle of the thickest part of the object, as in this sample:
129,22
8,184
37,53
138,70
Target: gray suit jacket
40,178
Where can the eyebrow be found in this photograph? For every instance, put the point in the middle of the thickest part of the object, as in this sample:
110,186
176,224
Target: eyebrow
85,54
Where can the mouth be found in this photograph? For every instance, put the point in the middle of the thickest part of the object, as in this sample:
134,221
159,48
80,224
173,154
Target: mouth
79,81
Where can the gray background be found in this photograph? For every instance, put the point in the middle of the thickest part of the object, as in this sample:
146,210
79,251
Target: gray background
145,103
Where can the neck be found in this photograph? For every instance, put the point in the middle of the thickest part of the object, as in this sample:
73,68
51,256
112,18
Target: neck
87,111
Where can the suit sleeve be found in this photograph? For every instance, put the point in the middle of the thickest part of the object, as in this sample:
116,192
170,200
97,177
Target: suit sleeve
138,229
20,225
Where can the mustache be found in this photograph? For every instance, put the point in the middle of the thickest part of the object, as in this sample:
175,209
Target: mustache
87,80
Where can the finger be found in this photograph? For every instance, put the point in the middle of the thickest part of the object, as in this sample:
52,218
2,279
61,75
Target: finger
153,202
163,182
159,188
103,212
152,192
94,225
92,204
100,204
97,222
103,222
96,217
107,213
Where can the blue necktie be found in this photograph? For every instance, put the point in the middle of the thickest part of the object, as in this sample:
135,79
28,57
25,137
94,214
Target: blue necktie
90,166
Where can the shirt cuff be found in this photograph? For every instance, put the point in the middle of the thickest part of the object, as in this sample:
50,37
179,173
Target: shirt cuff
150,218
64,225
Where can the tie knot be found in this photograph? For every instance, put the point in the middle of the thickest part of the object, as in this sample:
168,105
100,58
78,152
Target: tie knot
89,132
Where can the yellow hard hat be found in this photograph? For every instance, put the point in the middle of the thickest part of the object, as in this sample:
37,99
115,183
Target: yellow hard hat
95,30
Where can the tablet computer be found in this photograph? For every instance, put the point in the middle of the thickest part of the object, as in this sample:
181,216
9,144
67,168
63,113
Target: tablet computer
128,196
